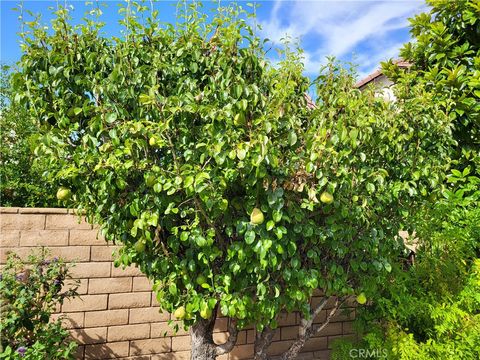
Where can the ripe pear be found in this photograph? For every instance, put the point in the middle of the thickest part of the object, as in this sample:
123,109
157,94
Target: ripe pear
206,313
180,313
64,193
256,217
153,141
361,298
326,198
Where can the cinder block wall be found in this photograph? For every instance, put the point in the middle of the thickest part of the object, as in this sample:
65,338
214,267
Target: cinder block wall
117,315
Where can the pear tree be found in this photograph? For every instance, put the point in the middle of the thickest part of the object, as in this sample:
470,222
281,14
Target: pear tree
228,189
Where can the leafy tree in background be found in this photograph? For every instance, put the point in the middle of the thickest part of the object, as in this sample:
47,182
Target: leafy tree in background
431,310
20,178
445,58
206,164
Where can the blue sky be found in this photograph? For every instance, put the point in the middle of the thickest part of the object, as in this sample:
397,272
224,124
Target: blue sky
363,30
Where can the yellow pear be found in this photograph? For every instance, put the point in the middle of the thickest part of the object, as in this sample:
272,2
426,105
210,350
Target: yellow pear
180,313
256,217
326,198
361,298
206,313
63,193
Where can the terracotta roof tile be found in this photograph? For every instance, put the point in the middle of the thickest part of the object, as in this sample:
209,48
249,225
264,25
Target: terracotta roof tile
377,73
310,102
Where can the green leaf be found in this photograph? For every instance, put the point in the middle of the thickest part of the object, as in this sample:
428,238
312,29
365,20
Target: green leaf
184,236
193,67
277,216
292,138
241,154
249,236
188,182
144,99
370,188
270,225
172,289
111,117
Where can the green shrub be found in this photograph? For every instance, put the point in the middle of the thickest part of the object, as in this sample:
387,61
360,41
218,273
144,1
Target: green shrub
21,181
451,329
30,291
432,309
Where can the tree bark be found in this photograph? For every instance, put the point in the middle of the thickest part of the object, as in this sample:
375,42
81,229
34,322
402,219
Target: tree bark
262,342
232,338
203,347
307,329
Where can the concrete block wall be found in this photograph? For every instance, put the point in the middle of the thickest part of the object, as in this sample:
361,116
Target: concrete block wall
116,315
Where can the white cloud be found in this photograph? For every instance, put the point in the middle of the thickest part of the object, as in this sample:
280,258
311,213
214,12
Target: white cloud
344,35
342,27
369,62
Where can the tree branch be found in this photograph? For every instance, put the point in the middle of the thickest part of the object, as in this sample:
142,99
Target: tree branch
332,312
158,239
308,329
262,342
232,339
306,324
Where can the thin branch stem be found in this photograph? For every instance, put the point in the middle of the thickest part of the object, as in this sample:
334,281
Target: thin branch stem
232,339
308,329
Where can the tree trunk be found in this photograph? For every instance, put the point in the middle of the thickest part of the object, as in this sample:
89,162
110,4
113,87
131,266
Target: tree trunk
203,347
262,342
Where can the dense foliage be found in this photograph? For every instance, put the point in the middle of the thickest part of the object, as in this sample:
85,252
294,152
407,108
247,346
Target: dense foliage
431,310
20,183
206,164
30,290
445,58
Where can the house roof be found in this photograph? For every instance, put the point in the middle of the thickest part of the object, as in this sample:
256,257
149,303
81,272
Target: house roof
377,73
310,103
